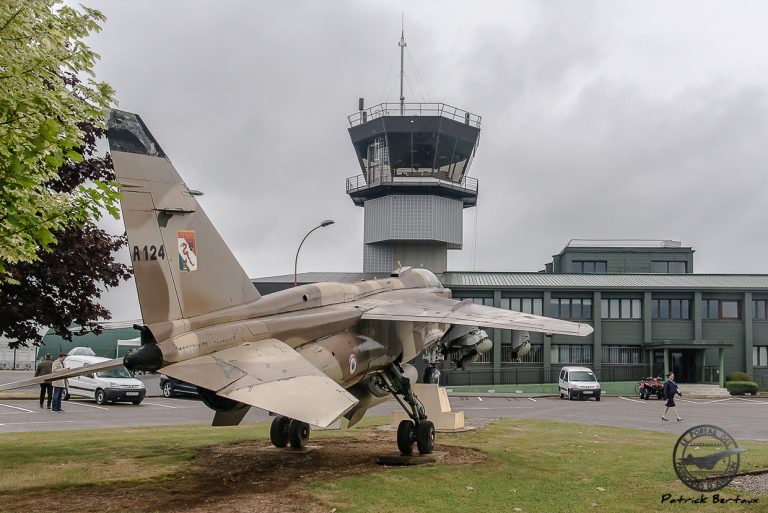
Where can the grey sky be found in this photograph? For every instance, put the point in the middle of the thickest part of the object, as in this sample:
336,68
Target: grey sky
600,119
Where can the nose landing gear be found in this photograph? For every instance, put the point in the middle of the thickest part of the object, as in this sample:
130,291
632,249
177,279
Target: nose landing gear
416,429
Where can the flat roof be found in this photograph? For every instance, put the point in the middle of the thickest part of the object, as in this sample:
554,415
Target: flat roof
546,281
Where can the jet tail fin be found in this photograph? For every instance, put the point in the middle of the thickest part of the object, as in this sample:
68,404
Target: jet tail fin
182,266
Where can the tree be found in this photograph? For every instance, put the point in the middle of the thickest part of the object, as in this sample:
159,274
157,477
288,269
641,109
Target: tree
62,286
43,102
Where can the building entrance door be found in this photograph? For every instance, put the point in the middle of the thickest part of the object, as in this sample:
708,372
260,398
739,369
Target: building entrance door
683,364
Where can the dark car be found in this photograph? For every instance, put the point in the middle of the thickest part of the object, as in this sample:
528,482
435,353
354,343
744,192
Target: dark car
172,387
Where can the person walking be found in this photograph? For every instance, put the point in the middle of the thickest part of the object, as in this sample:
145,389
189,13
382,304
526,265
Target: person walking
43,368
670,389
60,385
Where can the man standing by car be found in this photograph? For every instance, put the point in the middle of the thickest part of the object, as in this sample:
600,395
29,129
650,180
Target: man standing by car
59,386
44,367
670,389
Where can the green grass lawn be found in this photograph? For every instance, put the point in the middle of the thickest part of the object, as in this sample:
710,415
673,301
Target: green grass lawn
542,466
533,465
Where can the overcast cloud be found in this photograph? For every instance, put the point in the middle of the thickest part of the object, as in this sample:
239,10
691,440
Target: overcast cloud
604,119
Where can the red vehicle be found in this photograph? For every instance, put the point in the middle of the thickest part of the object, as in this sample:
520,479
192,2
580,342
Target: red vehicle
651,386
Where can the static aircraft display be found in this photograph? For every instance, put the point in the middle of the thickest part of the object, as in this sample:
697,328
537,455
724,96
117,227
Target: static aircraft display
310,354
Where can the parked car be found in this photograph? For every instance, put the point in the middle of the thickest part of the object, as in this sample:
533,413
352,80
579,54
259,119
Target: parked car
578,382
172,387
103,386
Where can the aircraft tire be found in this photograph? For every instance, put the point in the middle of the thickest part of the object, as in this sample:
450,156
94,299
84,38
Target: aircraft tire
405,436
425,436
431,375
298,434
278,431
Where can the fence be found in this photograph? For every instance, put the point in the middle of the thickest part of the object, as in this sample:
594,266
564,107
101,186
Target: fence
523,375
476,375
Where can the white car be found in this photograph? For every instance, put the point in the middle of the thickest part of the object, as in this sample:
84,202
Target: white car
103,386
578,382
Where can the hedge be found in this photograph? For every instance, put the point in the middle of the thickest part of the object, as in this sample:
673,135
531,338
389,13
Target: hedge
741,387
737,376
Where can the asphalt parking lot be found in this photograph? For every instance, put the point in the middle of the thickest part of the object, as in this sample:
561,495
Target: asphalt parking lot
743,418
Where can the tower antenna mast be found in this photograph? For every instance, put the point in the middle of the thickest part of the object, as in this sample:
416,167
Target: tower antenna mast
402,46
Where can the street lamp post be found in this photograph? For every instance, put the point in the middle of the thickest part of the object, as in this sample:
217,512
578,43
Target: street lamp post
325,223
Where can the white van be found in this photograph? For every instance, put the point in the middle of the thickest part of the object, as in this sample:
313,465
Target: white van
108,385
578,382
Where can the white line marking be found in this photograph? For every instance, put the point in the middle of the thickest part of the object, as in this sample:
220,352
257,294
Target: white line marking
16,408
47,422
498,408
163,405
633,400
480,399
88,405
703,402
532,399
750,400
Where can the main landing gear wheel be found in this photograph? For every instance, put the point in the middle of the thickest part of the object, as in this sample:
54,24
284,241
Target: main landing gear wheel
298,434
406,432
425,436
278,431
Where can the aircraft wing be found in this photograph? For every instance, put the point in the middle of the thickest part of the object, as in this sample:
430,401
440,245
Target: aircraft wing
410,305
270,375
115,363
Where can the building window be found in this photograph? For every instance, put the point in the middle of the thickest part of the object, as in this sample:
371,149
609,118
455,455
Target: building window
759,312
531,305
626,355
571,354
532,356
589,266
620,309
720,309
487,301
760,356
670,309
572,309
668,267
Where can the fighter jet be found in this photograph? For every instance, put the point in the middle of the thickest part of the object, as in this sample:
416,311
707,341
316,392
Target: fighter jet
709,461
310,354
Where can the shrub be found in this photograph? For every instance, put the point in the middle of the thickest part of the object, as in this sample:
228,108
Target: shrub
737,376
741,387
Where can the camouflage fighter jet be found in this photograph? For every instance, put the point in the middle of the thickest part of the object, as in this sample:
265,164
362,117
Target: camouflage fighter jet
309,354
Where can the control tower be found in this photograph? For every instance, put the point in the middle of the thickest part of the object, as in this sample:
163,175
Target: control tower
414,186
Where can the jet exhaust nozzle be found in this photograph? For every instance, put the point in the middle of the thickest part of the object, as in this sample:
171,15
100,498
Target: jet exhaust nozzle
148,357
